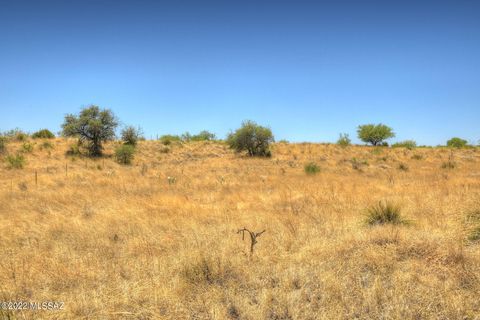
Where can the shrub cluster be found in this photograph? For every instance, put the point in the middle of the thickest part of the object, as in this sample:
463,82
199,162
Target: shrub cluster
43,134
15,161
408,144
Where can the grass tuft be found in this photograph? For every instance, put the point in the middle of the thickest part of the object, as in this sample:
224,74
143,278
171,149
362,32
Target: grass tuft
384,213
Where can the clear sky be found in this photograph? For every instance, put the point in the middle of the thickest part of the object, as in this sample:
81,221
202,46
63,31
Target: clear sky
308,69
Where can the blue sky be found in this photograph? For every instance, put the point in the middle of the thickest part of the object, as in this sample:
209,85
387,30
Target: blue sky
308,69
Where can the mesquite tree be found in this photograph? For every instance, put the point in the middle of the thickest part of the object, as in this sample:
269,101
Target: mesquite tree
92,126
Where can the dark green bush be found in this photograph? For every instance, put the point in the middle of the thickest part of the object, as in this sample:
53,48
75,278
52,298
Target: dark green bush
252,138
43,134
124,154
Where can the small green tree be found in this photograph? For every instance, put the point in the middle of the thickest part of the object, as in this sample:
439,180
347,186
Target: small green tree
43,134
252,138
344,140
375,134
92,126
457,143
124,153
131,135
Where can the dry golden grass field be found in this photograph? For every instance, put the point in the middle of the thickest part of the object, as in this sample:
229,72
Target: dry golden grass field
126,242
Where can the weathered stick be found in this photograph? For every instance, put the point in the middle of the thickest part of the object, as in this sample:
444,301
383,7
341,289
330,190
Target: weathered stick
253,237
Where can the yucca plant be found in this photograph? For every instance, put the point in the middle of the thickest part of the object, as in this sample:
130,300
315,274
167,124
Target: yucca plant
384,213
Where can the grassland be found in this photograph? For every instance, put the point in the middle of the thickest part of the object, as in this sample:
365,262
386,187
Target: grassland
126,242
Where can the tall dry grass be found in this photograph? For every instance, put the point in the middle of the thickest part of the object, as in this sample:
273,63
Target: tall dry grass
125,242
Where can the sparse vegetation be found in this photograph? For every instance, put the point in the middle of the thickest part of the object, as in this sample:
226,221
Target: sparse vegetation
43,134
92,126
201,136
375,134
450,164
408,144
16,161
402,167
252,138
182,210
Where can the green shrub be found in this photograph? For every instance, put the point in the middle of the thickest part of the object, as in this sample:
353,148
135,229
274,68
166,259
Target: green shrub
457,143
124,154
384,213
344,140
252,138
43,134
27,147
409,144
168,139
16,161
311,168
375,134
131,135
